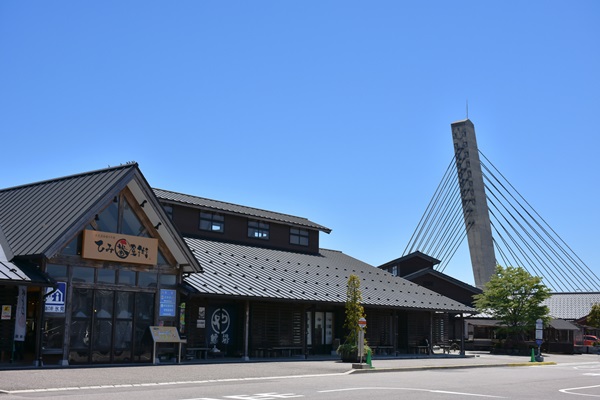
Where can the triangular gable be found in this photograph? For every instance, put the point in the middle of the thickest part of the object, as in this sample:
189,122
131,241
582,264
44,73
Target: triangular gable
409,264
41,218
414,256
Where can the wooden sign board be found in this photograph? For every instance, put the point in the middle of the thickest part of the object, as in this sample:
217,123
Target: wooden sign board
108,246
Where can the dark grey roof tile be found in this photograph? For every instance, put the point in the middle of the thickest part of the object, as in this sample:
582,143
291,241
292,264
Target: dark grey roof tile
220,206
34,216
233,269
571,306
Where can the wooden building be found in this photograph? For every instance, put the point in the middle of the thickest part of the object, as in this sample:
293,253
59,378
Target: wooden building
119,257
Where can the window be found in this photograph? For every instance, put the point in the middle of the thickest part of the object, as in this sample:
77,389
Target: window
258,230
212,222
299,236
169,210
130,223
83,275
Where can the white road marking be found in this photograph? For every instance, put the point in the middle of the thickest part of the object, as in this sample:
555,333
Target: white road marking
263,378
414,390
568,391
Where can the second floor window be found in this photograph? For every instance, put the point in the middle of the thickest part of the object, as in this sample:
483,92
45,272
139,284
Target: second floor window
299,236
212,222
258,230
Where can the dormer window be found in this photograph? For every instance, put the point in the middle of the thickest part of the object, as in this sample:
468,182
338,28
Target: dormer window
258,230
299,236
212,222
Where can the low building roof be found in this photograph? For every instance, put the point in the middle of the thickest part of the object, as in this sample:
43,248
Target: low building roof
254,272
19,272
562,325
223,207
571,306
441,275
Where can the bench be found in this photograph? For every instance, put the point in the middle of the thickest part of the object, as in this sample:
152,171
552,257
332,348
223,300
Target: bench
193,352
382,350
285,351
420,349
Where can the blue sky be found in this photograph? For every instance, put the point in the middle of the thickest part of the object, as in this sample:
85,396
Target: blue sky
337,111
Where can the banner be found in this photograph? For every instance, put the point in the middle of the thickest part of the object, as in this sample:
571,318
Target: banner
21,315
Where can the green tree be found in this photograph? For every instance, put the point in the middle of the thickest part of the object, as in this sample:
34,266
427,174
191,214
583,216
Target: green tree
354,312
593,318
514,297
354,309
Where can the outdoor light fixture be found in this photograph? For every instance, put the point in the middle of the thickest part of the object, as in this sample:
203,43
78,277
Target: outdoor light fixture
143,202
96,218
157,225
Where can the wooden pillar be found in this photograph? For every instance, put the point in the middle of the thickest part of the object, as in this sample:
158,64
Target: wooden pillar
246,330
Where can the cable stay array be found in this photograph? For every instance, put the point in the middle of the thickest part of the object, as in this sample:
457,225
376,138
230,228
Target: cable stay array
521,236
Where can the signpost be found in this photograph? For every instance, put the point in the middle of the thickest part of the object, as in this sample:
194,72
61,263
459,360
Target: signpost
362,324
539,337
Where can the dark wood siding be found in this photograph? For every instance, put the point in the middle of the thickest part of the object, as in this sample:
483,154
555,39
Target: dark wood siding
187,220
275,325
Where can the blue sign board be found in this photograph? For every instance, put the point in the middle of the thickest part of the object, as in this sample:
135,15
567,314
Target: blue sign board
538,342
55,302
168,303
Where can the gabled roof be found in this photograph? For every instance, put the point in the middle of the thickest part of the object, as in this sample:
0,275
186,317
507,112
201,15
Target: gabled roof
39,219
571,306
35,217
220,206
19,272
408,257
254,272
448,278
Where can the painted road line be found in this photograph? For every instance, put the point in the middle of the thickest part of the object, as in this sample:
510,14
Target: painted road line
413,390
96,387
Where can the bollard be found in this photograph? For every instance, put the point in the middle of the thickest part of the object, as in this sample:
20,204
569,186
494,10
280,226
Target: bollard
369,358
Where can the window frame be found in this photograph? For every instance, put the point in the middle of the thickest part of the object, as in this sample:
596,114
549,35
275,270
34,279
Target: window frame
259,229
296,237
214,219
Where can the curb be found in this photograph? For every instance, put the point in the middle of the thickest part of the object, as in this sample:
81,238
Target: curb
432,367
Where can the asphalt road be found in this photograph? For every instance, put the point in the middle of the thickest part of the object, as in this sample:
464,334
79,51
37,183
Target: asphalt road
475,377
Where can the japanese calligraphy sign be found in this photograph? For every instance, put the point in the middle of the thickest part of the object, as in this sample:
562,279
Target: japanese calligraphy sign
108,246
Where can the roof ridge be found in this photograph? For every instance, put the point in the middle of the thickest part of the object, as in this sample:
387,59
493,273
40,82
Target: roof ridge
67,177
232,204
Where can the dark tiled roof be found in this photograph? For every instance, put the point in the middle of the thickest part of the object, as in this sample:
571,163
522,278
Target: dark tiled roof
238,270
415,254
571,306
200,202
441,275
563,325
18,273
35,216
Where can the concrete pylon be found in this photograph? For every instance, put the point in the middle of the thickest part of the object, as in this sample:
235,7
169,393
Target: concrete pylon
474,202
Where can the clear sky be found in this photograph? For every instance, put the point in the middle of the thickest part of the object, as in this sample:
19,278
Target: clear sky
337,111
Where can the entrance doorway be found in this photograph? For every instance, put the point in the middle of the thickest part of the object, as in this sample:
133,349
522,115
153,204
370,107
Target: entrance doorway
108,326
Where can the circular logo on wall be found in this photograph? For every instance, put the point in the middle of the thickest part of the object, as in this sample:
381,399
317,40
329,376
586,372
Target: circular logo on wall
220,320
122,248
